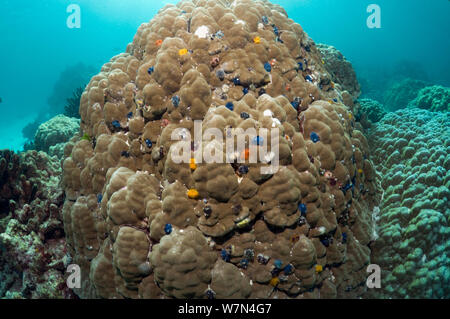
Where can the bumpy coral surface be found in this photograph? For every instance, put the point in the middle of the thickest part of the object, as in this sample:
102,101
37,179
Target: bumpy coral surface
32,246
373,110
401,93
140,225
52,135
341,70
412,153
433,98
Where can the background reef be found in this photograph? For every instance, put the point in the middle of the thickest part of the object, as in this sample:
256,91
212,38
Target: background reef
102,192
33,254
411,152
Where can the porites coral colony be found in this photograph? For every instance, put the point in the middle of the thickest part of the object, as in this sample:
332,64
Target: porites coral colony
300,232
411,148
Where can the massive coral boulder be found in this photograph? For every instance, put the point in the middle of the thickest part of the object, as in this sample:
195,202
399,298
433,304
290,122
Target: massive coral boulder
433,98
401,93
52,136
182,263
370,111
412,154
341,69
142,224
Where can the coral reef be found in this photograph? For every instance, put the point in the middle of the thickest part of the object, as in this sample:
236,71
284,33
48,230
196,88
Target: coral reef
433,98
379,76
141,225
52,136
412,154
33,256
412,69
340,69
71,109
401,93
371,110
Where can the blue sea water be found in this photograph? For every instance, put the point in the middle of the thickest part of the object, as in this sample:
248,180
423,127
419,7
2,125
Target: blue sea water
37,46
